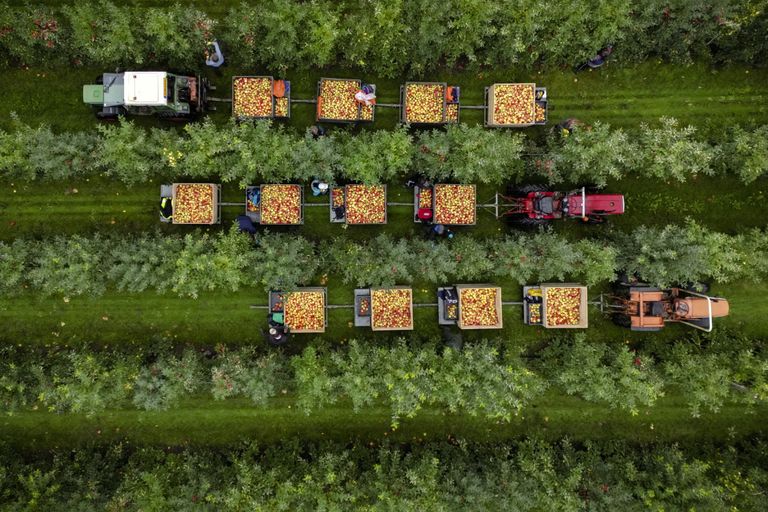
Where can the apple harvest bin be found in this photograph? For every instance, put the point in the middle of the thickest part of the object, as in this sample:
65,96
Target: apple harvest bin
440,214
254,211
445,111
463,290
502,112
319,311
342,196
537,300
274,107
213,208
362,113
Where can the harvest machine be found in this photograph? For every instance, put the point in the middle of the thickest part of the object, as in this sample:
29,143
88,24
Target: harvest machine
535,205
170,96
647,308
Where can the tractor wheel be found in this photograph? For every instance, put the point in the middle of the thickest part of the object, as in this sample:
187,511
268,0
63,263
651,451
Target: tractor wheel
106,116
595,220
696,287
99,80
621,320
533,223
526,189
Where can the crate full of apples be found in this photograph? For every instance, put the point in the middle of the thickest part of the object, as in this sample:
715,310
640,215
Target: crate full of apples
336,100
365,204
391,309
195,203
511,105
304,310
424,103
281,204
479,307
455,204
564,306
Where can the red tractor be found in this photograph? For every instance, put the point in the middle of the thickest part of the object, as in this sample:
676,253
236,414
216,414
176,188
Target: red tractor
535,205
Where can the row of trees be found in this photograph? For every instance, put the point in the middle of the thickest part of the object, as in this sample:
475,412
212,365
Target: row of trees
384,37
250,153
197,263
525,475
482,379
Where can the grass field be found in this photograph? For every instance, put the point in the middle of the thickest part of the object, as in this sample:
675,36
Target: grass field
621,96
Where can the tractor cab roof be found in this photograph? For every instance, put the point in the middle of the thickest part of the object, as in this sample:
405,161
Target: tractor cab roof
146,88
596,204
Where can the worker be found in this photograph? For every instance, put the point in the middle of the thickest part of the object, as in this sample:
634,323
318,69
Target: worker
166,209
319,188
339,212
278,335
317,131
440,230
213,56
366,95
245,224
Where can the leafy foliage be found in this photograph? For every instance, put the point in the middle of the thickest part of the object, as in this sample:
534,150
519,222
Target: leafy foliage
161,384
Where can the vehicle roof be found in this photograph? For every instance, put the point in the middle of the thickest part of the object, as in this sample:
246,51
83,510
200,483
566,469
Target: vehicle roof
145,88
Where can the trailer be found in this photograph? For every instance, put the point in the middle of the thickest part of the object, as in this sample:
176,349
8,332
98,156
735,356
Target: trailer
260,97
191,203
275,204
445,203
384,309
429,103
302,311
515,105
337,102
359,204
556,306
470,306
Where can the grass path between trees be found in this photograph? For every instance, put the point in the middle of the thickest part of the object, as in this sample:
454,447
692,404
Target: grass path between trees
621,96
210,423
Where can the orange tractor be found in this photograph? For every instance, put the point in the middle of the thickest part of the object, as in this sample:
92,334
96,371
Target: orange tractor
649,309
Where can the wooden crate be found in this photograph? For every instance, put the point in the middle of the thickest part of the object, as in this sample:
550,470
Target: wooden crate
583,313
499,312
374,328
490,107
215,203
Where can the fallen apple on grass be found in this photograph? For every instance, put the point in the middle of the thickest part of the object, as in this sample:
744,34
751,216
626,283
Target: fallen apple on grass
391,309
305,311
455,204
477,307
281,204
366,204
193,203
252,97
424,103
513,104
563,306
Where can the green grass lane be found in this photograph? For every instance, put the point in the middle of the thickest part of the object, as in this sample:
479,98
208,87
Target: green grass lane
621,96
99,205
210,423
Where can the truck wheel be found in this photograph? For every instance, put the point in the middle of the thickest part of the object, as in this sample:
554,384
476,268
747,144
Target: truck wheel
106,116
621,320
526,189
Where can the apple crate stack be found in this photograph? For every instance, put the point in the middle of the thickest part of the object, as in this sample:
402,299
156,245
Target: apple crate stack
260,97
515,105
336,102
429,103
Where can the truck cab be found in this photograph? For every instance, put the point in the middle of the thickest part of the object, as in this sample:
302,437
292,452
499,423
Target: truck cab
146,93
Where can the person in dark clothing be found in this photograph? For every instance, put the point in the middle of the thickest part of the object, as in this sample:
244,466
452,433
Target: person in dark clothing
339,212
166,208
440,230
278,335
245,224
317,131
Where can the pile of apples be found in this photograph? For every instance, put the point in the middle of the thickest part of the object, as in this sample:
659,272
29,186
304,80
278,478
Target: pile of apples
455,204
305,311
477,307
365,306
337,197
540,114
337,100
193,204
424,103
282,107
452,113
425,198
252,97
452,312
366,204
534,313
563,306
281,204
366,112
391,309
513,104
